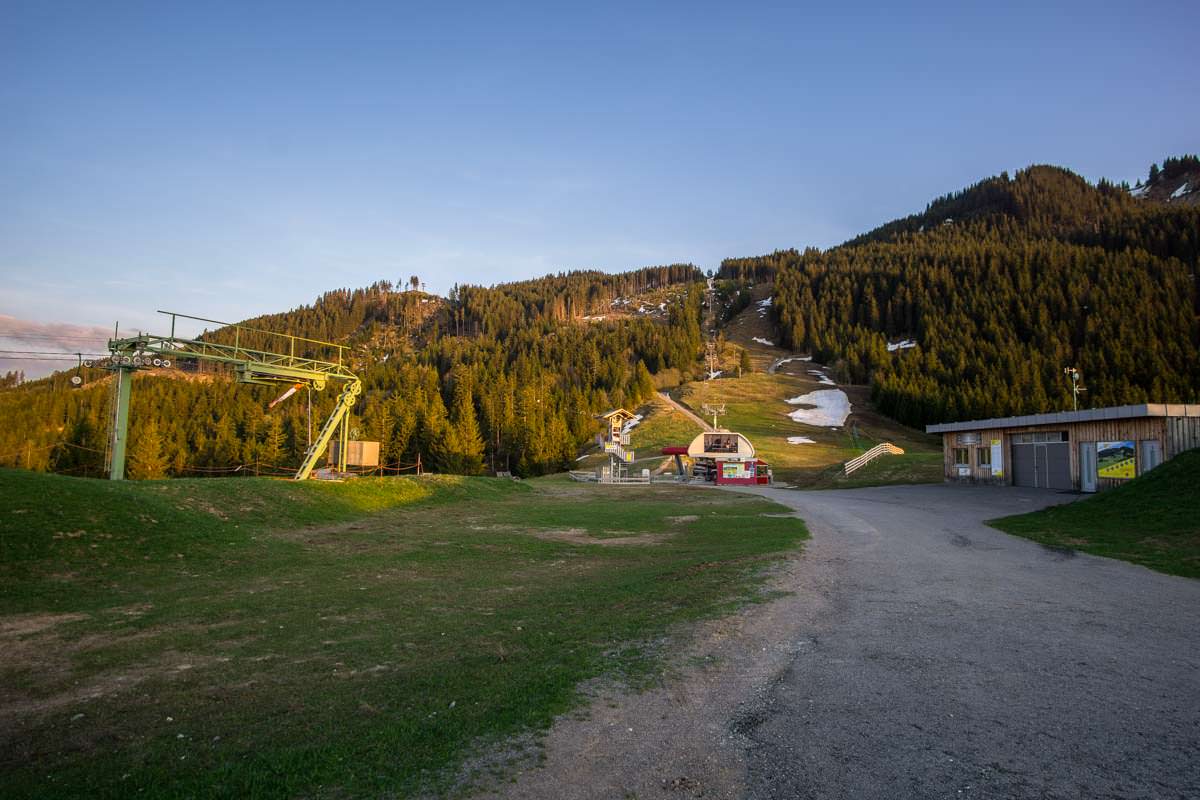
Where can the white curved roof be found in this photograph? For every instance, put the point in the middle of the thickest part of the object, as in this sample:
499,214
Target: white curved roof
720,444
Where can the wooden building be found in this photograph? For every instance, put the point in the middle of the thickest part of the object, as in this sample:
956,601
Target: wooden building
1071,450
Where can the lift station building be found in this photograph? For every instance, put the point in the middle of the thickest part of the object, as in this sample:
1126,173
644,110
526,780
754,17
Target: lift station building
1071,450
723,457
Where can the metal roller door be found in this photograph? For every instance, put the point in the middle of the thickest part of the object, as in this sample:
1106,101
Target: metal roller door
1042,465
1024,472
1058,465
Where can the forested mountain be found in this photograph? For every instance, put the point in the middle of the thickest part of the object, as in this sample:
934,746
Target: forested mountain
1003,285
500,377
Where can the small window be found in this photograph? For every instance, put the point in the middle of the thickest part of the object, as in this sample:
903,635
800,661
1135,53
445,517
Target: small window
983,456
1022,438
962,457
720,443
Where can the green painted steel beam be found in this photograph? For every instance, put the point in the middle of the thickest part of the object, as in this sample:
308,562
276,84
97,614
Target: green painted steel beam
251,366
258,362
119,434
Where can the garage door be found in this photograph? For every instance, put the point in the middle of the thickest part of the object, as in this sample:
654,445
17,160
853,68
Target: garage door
1024,473
1042,460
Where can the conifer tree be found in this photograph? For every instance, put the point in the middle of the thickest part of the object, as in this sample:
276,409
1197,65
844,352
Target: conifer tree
274,439
146,459
468,442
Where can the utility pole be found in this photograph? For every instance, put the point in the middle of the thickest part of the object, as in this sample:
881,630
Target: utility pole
1075,376
710,357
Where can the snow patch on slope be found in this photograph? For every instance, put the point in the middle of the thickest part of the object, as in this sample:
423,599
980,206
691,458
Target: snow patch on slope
903,344
832,406
1181,191
800,440
767,342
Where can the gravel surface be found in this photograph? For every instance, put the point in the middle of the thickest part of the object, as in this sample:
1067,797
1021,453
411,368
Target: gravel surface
920,654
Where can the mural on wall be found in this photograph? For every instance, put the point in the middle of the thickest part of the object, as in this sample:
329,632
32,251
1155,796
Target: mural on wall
1115,460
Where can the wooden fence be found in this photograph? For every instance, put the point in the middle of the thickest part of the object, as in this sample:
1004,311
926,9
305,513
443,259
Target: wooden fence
872,454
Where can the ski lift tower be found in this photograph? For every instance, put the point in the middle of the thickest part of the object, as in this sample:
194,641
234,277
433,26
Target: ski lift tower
614,441
294,360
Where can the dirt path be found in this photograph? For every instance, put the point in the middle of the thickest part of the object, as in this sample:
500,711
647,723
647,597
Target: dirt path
919,653
687,412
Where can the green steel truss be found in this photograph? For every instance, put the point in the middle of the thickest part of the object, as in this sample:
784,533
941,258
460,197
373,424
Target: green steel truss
250,365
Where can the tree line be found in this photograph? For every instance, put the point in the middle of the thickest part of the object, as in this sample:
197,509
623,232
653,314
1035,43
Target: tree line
489,379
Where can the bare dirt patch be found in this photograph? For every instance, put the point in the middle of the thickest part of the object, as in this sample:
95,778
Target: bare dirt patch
580,536
28,624
38,676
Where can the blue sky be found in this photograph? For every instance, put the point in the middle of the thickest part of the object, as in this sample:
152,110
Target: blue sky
232,159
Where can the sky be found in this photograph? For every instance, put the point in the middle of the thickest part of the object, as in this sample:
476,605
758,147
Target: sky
232,159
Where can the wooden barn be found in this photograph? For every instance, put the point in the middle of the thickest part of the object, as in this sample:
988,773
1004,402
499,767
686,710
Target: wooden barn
1072,450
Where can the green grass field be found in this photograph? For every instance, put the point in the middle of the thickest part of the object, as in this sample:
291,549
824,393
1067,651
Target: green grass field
258,638
1153,520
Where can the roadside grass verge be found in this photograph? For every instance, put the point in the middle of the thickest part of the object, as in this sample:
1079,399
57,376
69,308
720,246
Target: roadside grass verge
253,638
1153,520
887,470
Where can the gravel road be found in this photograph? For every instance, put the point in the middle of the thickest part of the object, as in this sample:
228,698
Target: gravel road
920,654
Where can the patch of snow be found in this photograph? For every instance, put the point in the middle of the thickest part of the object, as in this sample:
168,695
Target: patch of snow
662,306
1181,191
582,457
1139,191
766,303
800,440
716,374
903,344
633,423
775,365
767,342
821,377
832,406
